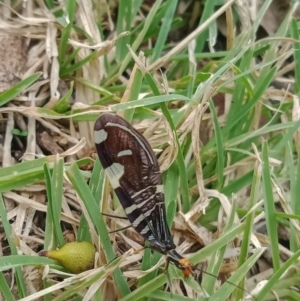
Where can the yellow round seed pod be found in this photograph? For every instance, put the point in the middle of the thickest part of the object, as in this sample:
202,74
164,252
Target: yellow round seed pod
75,256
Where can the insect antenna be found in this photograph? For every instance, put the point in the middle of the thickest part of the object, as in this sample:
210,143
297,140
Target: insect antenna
229,282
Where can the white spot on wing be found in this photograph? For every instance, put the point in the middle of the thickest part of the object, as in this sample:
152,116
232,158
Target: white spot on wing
160,188
114,173
134,135
130,209
140,191
145,230
100,136
138,220
151,237
126,152
147,213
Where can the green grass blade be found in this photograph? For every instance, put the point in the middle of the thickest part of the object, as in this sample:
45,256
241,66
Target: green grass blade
258,92
269,207
146,289
276,276
164,29
5,289
123,24
134,92
227,288
216,259
66,31
10,236
249,222
96,187
63,105
70,70
50,239
147,102
17,261
207,12
219,145
171,183
141,35
217,244
14,91
296,47
56,202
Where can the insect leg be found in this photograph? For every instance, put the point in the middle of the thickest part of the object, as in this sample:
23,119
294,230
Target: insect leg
124,228
114,216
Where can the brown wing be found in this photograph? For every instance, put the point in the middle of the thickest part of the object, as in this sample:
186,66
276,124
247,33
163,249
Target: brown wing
133,171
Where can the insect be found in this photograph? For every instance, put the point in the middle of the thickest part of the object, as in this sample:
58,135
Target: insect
133,171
